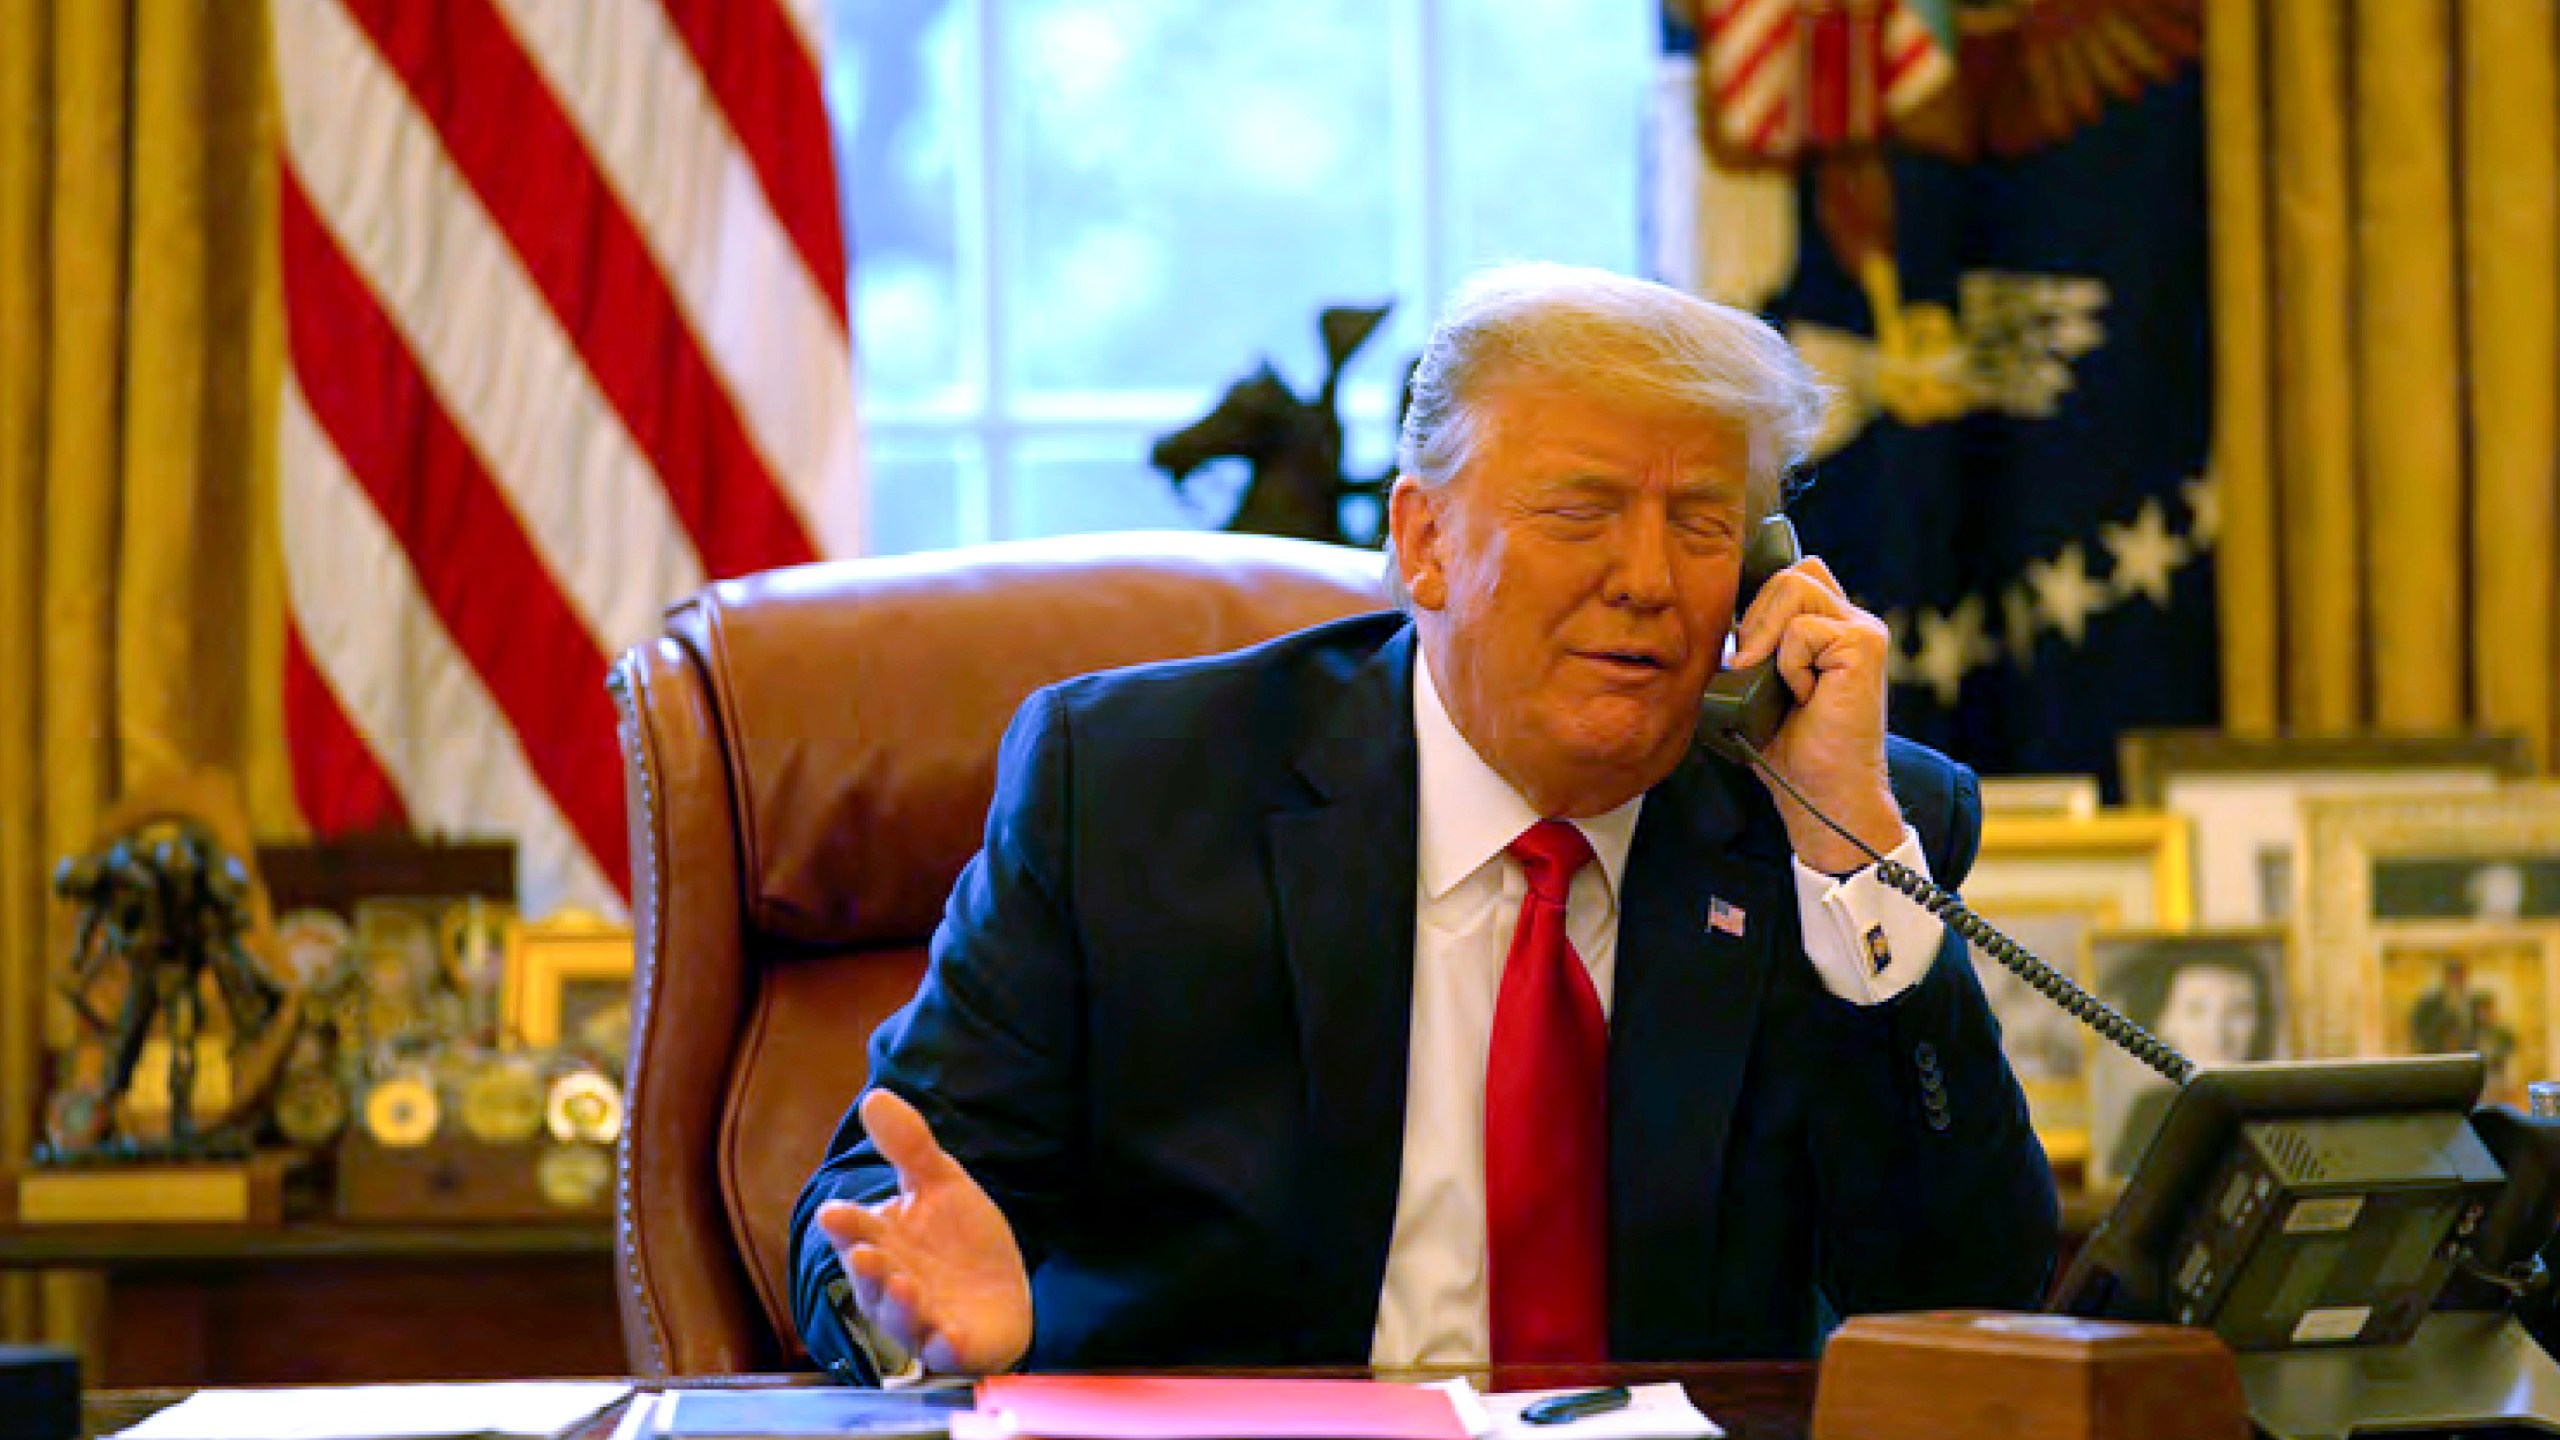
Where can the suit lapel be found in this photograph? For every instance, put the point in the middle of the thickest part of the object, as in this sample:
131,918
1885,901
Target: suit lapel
1343,879
1687,1006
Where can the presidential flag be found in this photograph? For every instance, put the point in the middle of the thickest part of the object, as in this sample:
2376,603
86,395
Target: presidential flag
2004,282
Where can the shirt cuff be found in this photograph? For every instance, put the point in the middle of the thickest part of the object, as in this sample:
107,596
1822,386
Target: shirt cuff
1868,941
874,1358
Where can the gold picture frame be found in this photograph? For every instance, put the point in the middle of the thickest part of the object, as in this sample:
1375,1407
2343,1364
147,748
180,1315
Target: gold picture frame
2339,985
2150,759
2244,796
2049,882
2073,797
555,967
2510,974
2137,857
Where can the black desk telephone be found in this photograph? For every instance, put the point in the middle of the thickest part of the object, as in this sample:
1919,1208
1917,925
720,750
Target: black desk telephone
2362,1232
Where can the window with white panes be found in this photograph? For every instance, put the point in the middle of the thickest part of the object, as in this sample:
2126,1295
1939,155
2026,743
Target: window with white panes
1074,221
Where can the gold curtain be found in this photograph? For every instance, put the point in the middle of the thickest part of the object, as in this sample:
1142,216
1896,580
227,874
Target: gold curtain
140,593
2385,203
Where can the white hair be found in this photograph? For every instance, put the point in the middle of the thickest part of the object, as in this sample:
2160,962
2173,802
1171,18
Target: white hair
1604,335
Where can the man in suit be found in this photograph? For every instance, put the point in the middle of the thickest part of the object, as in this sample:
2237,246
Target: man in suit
1411,989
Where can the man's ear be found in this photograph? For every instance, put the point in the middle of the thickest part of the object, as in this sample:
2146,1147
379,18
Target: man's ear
1413,518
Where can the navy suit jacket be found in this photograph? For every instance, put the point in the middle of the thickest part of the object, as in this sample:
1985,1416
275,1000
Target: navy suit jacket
1166,1015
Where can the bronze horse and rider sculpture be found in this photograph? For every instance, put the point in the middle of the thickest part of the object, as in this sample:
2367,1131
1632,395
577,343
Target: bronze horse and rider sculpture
1293,445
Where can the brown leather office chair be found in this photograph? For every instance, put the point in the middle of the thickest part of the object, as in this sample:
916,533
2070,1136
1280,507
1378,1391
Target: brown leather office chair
808,758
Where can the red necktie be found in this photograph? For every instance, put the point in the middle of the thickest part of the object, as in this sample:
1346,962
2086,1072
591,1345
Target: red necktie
1546,1126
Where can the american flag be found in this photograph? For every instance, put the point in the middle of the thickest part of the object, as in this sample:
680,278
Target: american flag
1779,77
565,305
1724,917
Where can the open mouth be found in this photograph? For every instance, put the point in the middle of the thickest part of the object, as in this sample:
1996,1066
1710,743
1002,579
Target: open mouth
1632,661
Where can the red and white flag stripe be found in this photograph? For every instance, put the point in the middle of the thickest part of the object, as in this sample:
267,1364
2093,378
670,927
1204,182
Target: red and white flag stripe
565,300
1784,76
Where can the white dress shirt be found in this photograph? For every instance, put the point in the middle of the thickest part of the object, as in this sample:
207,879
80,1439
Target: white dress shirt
1866,941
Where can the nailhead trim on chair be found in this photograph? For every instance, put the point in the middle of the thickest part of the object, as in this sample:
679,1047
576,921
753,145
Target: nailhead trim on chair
623,681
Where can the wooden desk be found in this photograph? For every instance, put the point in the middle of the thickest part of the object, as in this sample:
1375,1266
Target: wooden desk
1757,1400
339,1304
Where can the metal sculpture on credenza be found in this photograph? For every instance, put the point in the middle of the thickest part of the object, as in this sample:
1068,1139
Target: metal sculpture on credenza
163,919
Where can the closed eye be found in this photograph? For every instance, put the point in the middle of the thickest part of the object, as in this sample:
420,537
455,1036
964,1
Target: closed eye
1715,526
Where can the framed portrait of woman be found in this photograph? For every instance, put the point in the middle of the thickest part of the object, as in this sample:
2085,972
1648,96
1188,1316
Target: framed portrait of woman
2215,996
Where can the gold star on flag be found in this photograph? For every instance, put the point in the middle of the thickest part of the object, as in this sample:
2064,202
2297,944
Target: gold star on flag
1949,646
2064,592
2146,555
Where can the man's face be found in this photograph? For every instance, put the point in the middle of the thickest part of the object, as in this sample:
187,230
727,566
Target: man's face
1573,587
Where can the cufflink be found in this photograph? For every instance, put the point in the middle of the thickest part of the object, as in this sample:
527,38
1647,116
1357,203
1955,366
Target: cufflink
1879,951
860,1367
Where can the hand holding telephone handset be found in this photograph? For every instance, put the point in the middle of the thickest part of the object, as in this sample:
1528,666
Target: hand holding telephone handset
1753,700
1741,712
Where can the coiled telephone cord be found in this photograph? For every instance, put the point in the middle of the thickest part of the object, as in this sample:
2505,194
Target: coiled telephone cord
2061,989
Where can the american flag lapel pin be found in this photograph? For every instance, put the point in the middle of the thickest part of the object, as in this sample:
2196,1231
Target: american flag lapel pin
1724,917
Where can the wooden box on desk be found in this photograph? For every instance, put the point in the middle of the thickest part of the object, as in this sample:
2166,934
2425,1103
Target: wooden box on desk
455,1178
1983,1375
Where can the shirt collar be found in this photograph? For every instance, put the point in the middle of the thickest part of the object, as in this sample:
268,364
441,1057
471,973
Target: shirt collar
1469,812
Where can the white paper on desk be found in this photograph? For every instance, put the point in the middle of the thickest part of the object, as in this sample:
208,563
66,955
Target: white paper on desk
380,1412
640,1417
1652,1412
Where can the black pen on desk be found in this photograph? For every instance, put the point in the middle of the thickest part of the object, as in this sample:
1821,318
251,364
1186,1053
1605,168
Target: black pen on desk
1558,1409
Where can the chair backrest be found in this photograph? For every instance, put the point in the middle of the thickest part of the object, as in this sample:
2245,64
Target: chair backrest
808,758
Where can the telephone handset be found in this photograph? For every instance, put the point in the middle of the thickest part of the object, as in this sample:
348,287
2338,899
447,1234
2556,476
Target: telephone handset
1740,713
1752,701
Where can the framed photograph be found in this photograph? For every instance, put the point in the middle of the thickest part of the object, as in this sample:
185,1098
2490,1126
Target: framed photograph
2466,887
569,985
2244,796
2043,1042
2401,873
2215,996
2020,796
2050,883
2448,987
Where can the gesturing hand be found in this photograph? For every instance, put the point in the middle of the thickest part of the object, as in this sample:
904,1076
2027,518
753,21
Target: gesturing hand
936,1268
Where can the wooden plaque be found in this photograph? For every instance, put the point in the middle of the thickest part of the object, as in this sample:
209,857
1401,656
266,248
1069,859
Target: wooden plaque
248,1192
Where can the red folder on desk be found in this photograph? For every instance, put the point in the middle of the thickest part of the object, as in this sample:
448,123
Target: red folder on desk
1107,1407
